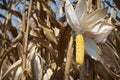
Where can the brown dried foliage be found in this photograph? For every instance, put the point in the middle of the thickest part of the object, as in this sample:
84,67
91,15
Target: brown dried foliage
37,47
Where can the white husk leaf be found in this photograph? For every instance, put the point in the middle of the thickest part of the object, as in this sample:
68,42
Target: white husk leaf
36,68
91,48
71,17
91,25
81,10
101,31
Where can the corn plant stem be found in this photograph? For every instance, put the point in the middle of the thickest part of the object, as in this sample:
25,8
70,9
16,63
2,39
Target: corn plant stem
26,37
23,18
23,29
112,13
28,24
98,4
69,58
38,7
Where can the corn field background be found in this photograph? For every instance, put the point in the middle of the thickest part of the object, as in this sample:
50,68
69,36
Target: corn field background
36,44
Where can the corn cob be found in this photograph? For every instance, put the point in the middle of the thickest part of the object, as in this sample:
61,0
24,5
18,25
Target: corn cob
79,49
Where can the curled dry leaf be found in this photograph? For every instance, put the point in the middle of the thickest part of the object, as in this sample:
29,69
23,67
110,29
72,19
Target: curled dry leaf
34,62
18,38
20,50
36,67
31,48
109,56
33,33
103,72
12,28
48,74
48,32
50,35
18,73
16,64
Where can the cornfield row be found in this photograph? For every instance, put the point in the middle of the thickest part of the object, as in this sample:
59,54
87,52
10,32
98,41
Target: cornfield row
38,40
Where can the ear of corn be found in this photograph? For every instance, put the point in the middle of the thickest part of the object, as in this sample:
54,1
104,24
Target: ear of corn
79,49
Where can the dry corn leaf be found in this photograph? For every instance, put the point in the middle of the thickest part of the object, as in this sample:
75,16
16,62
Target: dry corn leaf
18,38
117,2
71,17
20,50
100,31
93,18
48,74
48,32
103,72
18,74
91,49
81,10
33,33
31,48
12,67
117,39
50,35
12,29
80,21
108,54
97,30
44,40
55,22
36,67
6,52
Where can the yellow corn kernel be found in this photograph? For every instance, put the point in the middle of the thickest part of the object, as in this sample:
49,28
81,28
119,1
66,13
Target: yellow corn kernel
79,49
